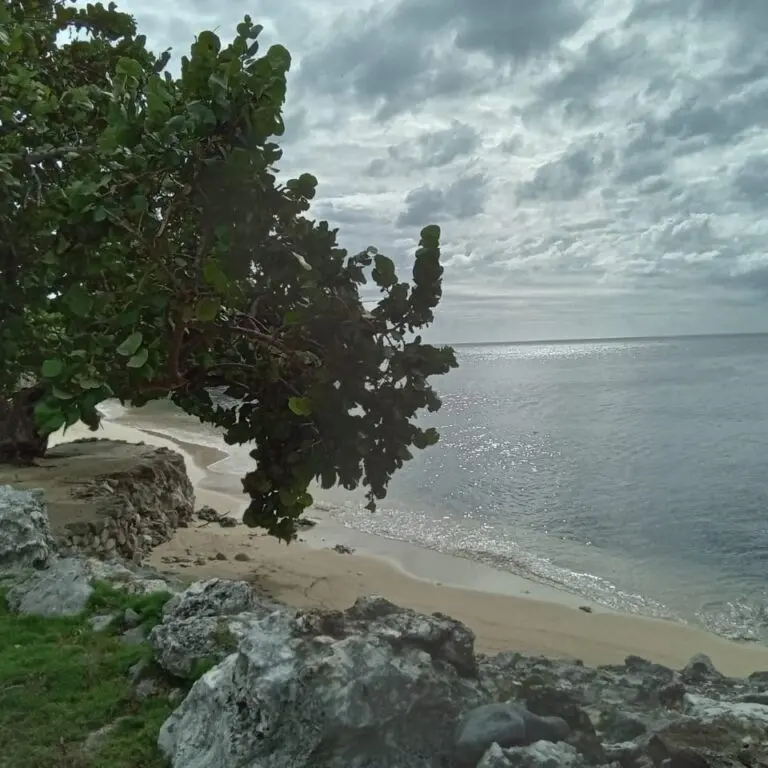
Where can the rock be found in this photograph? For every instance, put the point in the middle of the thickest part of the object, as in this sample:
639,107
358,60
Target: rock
101,621
213,597
131,618
305,522
146,688
205,624
343,549
227,521
139,670
700,669
709,710
243,557
26,540
507,725
374,685
208,514
220,556
64,588
723,742
560,702
134,636
542,754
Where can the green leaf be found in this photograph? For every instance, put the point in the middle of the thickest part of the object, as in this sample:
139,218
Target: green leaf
131,344
207,309
384,271
79,301
129,67
301,406
60,394
52,368
100,213
139,359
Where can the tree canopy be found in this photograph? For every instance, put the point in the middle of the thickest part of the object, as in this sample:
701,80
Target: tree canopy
149,250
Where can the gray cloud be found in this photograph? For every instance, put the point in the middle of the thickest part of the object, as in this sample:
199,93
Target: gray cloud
598,167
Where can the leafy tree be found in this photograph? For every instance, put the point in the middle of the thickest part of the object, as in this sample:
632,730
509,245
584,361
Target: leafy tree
148,250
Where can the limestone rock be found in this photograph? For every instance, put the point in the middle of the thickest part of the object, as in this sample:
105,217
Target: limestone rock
542,754
213,597
26,540
63,589
506,724
375,685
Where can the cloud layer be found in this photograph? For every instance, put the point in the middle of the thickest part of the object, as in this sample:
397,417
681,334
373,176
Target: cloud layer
599,167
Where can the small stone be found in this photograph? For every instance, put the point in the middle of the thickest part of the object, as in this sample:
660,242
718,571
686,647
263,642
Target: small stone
227,522
134,636
175,696
342,549
101,621
199,561
131,618
585,608
146,688
243,557
220,556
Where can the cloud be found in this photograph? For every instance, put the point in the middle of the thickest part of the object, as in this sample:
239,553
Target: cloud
598,167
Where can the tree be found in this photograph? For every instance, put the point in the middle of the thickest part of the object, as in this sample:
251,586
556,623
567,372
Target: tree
148,250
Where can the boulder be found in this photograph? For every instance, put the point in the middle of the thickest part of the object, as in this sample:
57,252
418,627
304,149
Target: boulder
507,724
26,540
373,685
64,588
542,754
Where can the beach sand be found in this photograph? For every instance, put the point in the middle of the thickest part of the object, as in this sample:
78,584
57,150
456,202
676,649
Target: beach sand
506,611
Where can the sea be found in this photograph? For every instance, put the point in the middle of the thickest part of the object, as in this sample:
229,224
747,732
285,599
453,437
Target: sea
633,472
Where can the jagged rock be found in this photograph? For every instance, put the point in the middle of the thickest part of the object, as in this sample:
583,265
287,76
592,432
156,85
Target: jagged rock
700,669
213,597
561,702
542,754
724,742
708,710
205,624
63,589
101,621
507,725
374,685
26,540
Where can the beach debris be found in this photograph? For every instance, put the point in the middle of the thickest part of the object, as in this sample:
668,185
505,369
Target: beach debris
210,515
305,522
342,549
585,608
26,540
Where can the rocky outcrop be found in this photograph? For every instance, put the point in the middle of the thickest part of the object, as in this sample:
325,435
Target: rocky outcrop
25,532
382,686
378,686
108,498
64,587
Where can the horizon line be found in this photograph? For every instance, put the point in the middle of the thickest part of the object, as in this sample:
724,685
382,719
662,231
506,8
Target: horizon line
604,339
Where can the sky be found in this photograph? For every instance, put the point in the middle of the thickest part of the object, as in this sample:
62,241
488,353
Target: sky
599,168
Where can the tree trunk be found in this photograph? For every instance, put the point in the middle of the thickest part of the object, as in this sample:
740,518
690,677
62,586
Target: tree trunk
20,442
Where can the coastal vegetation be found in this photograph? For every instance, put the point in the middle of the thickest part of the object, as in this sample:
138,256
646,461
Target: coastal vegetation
149,249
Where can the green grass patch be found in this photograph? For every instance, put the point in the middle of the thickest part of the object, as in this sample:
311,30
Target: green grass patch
60,682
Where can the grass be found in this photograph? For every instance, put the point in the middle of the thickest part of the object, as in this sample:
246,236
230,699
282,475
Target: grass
60,681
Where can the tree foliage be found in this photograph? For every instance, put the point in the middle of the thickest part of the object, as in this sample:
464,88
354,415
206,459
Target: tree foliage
149,250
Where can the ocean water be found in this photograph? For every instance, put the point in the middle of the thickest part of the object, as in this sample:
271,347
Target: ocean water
633,472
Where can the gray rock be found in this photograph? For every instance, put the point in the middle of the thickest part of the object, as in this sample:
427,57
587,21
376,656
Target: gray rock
146,689
134,636
181,645
101,621
64,588
542,754
508,724
700,669
243,557
26,540
213,597
131,618
485,725
373,686
708,710
140,670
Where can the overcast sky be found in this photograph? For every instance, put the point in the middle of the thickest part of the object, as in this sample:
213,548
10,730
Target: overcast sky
599,167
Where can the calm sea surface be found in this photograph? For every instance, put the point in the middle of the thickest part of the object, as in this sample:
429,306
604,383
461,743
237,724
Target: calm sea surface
633,472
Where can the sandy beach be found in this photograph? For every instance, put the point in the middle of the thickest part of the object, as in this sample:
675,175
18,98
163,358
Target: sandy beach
506,611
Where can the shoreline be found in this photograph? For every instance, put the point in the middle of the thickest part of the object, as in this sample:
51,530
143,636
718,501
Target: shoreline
506,611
